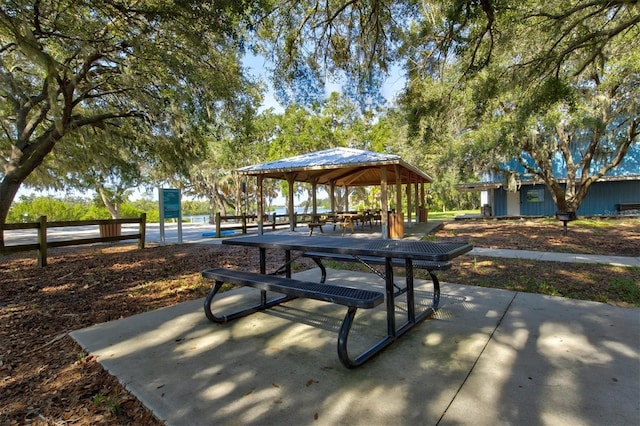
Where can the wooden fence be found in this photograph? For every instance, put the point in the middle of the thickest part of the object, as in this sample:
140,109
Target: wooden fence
110,230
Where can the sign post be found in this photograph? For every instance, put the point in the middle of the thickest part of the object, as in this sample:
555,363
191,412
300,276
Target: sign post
170,208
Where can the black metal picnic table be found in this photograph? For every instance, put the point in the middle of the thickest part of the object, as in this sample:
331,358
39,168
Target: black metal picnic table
388,249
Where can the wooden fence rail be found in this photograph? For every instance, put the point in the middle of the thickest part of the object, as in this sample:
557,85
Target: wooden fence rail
270,221
109,231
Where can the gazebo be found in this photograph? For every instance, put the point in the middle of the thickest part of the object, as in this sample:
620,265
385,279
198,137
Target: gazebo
347,167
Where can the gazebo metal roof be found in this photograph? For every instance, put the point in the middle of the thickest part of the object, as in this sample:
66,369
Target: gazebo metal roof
340,166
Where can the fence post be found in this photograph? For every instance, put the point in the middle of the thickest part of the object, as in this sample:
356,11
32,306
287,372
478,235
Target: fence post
143,230
244,223
218,223
42,241
273,222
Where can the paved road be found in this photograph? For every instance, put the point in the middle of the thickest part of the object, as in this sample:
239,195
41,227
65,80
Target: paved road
191,233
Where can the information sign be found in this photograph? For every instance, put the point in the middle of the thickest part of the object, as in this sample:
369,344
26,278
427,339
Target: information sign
171,203
170,209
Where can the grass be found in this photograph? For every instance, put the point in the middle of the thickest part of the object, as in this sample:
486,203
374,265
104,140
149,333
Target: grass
596,282
450,214
626,289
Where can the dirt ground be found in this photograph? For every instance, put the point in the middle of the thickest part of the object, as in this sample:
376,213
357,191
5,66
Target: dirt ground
46,378
604,236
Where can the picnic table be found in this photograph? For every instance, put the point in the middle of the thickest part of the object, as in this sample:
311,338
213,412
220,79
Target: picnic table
317,221
389,252
346,220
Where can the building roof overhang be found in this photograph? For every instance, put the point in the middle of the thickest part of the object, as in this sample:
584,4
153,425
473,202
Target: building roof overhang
484,186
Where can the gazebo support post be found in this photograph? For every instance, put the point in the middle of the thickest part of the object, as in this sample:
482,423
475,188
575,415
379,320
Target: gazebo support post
417,202
260,200
423,201
346,198
332,195
292,213
398,223
409,201
384,204
314,200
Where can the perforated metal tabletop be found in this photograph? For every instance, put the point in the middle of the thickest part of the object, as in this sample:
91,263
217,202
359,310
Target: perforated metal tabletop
419,250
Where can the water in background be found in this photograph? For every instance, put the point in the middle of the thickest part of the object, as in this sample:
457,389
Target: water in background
300,210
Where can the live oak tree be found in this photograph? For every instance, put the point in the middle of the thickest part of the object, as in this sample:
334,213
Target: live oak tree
71,67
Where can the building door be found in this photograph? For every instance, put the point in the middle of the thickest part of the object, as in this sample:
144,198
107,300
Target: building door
513,203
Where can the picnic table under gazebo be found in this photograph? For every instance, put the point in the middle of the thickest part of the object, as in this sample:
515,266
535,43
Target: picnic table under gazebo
348,167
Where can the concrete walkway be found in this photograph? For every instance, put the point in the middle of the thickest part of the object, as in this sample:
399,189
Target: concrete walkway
557,257
488,357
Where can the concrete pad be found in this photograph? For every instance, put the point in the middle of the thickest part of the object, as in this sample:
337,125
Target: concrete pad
466,365
556,361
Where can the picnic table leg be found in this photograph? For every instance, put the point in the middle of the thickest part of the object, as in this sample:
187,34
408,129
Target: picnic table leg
390,297
343,337
287,259
436,290
323,270
392,333
263,270
223,319
411,307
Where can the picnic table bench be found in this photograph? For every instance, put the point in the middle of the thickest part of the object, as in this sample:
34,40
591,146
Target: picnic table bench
390,252
430,266
621,207
352,298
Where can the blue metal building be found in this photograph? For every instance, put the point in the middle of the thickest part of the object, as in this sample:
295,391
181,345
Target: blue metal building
506,195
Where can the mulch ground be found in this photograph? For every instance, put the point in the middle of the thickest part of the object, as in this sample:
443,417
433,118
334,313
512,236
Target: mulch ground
46,378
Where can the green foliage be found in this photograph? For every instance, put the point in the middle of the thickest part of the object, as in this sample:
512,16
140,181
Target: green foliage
194,207
100,400
30,209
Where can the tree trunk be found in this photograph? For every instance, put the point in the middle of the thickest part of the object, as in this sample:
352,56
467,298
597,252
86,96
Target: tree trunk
112,207
21,164
212,211
8,191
